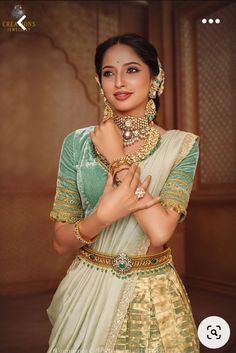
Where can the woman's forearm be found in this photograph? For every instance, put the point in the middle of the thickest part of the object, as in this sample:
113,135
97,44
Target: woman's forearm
154,221
65,240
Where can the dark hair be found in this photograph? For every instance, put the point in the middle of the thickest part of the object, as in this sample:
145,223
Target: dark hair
145,50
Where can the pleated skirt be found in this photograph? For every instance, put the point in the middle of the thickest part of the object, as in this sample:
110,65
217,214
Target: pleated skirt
159,317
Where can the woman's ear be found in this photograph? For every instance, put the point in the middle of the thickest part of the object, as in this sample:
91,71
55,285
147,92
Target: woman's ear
152,80
151,84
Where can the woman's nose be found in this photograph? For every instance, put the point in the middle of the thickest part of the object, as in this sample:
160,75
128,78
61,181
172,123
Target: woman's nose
119,81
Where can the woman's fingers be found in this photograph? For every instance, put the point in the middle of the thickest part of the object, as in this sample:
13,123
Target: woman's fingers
146,204
152,202
146,182
129,176
93,133
136,179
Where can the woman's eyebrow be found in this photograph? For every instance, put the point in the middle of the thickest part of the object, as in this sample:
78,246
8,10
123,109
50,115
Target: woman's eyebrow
126,64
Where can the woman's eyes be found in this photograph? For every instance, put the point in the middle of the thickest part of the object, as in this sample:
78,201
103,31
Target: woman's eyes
129,70
106,73
132,69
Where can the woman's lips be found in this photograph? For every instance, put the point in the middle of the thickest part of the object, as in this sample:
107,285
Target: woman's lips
122,96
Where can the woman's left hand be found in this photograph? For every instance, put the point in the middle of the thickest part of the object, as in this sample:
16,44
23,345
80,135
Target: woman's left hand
107,138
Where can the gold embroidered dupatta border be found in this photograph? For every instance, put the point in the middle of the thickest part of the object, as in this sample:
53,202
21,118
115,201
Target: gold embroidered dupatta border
126,296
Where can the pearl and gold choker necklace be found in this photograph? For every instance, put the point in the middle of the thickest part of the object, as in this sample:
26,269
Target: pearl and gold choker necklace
132,128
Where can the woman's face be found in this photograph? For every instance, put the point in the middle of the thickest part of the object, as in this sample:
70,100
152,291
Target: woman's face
126,80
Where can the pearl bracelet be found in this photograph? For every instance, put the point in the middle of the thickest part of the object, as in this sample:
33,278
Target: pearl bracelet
79,236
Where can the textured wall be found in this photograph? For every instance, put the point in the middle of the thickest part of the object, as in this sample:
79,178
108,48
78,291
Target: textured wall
216,55
206,71
47,90
213,225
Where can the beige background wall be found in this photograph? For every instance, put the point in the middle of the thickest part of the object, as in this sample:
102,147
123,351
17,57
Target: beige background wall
48,89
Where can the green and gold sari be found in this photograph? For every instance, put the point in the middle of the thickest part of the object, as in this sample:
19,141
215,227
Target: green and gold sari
95,310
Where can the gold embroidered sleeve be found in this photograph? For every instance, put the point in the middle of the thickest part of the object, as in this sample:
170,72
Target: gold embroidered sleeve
176,191
67,206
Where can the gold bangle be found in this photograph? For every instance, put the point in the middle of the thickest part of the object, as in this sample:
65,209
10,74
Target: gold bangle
118,169
79,236
117,163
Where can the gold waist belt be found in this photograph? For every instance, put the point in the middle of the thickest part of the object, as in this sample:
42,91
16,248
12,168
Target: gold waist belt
122,263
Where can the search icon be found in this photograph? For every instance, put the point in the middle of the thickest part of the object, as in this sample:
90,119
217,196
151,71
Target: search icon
213,332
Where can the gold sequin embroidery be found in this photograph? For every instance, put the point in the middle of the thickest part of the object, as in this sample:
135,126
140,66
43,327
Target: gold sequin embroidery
67,205
62,216
123,304
159,317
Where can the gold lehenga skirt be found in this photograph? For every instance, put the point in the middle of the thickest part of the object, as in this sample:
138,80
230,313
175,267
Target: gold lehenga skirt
159,317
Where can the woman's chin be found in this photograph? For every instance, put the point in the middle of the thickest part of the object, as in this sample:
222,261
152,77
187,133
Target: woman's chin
124,109
124,112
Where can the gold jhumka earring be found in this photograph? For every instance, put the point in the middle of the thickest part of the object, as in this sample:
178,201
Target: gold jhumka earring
150,111
108,112
157,87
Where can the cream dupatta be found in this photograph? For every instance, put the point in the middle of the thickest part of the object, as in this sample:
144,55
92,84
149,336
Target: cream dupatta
89,305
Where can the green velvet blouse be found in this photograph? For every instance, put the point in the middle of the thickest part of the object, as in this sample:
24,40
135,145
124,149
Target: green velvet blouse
75,199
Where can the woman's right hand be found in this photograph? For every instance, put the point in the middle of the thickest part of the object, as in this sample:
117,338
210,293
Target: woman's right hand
119,202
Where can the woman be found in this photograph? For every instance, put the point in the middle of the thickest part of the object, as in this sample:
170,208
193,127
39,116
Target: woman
122,188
